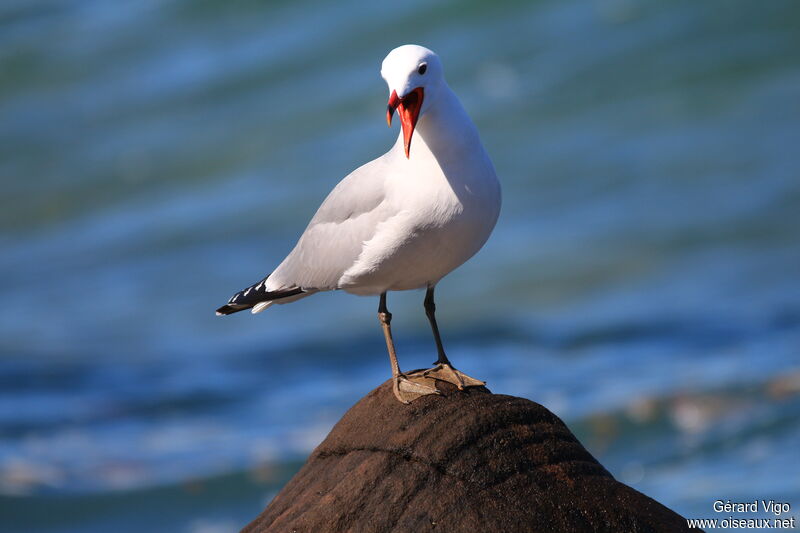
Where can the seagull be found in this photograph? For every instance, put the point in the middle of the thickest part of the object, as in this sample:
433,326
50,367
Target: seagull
400,222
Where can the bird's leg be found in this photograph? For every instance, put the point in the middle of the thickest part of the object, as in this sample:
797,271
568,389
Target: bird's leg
406,389
443,370
430,312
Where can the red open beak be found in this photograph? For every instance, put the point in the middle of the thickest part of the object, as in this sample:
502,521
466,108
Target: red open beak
408,108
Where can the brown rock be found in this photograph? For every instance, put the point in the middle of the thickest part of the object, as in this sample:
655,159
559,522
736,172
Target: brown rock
469,461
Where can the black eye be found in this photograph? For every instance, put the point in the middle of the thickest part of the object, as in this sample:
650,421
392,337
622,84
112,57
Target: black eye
422,68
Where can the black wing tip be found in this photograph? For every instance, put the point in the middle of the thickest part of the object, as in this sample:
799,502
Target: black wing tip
228,310
254,295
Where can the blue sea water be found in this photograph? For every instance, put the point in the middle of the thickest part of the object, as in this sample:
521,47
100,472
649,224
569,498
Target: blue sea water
643,281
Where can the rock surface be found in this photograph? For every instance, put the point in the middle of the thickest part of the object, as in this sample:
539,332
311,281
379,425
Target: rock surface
469,461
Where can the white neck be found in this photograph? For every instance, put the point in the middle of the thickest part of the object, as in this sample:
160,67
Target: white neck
446,134
446,128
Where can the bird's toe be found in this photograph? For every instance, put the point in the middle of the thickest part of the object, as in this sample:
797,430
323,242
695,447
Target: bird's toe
409,388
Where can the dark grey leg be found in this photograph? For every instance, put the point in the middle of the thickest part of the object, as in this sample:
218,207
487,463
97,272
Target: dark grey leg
430,311
405,389
385,318
444,370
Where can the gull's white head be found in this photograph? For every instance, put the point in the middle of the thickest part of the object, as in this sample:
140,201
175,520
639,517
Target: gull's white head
414,75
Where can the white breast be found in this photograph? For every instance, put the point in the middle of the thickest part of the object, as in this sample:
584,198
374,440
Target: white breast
445,202
398,223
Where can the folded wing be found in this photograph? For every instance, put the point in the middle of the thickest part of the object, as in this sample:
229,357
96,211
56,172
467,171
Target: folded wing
335,237
332,242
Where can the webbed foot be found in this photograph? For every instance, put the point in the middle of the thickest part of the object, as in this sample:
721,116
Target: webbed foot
445,372
408,388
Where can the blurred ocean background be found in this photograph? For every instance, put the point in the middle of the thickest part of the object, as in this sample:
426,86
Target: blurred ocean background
643,281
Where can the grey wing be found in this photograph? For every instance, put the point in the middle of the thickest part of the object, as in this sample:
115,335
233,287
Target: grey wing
335,237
